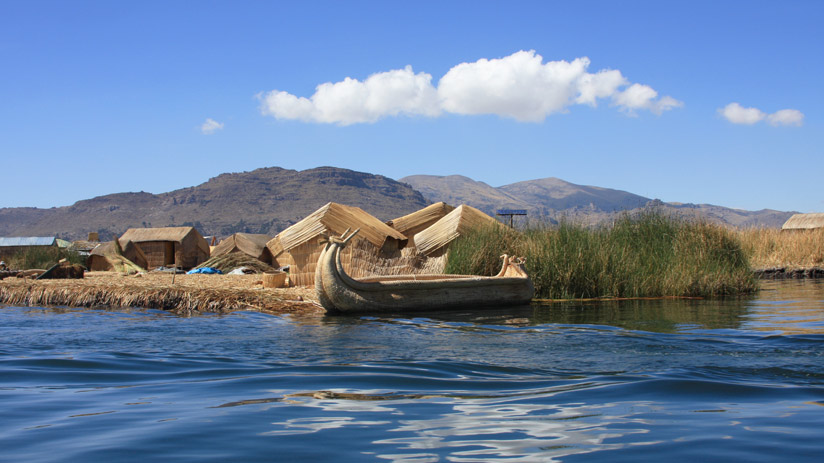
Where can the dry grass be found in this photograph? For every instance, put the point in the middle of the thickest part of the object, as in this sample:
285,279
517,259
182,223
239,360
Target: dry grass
189,294
771,248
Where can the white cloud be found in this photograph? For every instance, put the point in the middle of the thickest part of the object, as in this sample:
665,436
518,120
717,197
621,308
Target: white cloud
211,126
599,85
639,96
351,101
738,114
520,86
786,117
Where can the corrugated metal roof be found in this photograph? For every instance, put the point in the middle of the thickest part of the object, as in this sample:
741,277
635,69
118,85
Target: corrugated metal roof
27,241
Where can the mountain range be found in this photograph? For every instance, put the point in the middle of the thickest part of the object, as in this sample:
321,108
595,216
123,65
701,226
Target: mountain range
270,199
554,199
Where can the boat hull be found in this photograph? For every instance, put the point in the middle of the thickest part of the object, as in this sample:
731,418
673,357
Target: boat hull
338,292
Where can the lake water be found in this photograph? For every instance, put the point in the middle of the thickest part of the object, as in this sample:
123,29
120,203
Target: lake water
702,380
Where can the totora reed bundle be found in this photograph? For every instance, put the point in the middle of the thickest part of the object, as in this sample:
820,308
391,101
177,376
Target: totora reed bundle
202,294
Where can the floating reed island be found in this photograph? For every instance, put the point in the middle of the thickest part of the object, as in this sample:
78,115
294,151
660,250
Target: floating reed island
645,255
180,294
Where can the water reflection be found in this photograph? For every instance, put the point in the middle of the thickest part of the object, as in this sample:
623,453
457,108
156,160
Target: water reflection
468,430
787,307
784,307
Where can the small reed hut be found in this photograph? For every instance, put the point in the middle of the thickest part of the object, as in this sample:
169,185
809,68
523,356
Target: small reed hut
804,222
434,241
418,221
299,246
10,246
250,244
169,246
106,257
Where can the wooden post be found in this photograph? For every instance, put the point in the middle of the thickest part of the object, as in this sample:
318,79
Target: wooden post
511,213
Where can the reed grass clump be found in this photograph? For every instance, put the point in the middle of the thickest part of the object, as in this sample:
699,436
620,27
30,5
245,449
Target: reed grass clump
43,258
649,255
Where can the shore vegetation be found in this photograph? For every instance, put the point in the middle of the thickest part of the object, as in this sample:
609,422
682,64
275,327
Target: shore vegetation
42,258
648,255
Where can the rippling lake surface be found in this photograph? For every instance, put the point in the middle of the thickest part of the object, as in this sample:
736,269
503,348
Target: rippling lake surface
708,380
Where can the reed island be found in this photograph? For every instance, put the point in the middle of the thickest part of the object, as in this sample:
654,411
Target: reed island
648,255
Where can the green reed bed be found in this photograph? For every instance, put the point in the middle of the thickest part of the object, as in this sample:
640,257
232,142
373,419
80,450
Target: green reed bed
42,258
650,255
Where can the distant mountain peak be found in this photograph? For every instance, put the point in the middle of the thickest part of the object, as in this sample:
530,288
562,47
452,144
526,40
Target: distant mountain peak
553,198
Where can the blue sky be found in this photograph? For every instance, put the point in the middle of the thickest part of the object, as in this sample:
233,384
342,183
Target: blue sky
701,102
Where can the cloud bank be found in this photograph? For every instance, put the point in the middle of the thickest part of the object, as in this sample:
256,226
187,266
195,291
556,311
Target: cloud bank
210,126
520,86
738,114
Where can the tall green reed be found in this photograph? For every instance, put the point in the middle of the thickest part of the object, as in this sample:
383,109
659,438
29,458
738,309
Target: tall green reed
42,258
648,255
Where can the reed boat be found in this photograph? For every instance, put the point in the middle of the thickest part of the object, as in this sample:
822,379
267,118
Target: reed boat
338,292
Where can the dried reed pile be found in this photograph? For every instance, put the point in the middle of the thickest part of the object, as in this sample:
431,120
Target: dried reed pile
123,265
190,294
406,261
228,262
796,249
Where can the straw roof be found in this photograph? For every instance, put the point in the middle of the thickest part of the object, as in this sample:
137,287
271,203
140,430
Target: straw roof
176,234
334,219
458,222
248,243
804,222
418,221
129,250
108,248
106,256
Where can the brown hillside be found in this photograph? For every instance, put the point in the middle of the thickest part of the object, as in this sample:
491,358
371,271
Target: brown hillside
265,200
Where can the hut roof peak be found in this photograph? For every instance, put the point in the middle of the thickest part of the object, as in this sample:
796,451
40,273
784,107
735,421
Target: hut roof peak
334,218
458,222
804,221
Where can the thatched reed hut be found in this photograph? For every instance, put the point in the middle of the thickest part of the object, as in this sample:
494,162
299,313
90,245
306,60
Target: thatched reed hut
434,241
804,222
10,246
420,220
251,244
169,246
299,245
106,257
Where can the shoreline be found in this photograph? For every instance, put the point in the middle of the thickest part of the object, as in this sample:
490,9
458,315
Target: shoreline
784,273
196,294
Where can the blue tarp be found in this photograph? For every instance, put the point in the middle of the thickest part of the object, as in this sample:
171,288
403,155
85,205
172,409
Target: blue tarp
206,270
